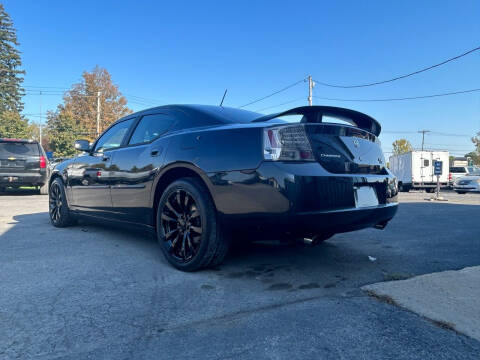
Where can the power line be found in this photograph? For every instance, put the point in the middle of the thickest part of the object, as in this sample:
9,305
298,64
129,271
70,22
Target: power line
432,133
403,98
274,93
401,76
284,103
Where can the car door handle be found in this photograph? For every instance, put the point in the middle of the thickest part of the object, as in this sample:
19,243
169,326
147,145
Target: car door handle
156,152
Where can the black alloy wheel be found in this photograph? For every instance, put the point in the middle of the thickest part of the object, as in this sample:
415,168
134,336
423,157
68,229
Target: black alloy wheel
60,215
182,225
55,202
187,228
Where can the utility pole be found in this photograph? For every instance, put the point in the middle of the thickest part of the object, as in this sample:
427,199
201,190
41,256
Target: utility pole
98,112
423,132
40,123
311,84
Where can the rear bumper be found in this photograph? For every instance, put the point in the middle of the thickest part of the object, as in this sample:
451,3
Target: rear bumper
300,197
23,179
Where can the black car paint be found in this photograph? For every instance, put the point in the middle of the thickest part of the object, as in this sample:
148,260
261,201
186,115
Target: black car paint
123,184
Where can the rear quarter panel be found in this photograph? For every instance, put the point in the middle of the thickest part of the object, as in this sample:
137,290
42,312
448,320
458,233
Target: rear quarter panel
223,148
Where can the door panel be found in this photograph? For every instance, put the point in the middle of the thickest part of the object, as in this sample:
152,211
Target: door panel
89,182
133,171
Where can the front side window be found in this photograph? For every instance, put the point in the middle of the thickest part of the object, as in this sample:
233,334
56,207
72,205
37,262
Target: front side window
113,137
151,127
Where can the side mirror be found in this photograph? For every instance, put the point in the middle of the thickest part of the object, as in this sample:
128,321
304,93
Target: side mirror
82,145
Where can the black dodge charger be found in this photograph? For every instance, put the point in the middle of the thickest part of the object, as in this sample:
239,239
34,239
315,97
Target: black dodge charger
201,175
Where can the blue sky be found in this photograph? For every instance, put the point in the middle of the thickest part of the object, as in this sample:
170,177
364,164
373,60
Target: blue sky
190,51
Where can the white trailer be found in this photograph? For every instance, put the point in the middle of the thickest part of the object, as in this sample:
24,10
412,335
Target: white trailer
415,169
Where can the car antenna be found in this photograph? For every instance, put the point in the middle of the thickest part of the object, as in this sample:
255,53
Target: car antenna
223,98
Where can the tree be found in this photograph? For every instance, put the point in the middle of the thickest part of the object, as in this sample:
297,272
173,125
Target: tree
474,156
13,125
81,101
10,74
63,130
401,146
476,141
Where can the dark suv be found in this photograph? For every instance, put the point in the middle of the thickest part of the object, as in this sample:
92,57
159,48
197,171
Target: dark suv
23,163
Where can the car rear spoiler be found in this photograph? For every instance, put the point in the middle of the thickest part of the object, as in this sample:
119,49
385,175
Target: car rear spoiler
314,114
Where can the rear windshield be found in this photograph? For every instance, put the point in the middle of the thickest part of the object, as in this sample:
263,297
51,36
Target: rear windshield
18,148
458,170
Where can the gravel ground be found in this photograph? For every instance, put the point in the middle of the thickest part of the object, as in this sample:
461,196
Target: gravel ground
99,292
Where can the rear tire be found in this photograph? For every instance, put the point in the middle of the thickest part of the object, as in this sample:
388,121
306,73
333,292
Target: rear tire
430,190
461,192
188,230
60,214
403,188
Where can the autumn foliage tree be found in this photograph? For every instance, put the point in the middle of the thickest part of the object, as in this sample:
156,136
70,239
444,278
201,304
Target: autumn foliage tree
81,101
77,116
401,146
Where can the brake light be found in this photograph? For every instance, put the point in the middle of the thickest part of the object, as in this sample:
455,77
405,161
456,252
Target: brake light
43,162
449,176
287,143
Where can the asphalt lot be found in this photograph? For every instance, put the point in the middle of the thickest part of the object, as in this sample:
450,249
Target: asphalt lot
93,292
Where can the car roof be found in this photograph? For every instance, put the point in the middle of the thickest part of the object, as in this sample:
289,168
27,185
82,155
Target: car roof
222,114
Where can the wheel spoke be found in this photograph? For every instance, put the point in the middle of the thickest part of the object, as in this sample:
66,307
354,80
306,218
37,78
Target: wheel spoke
169,234
186,201
55,213
179,200
167,218
170,207
190,244
174,242
197,229
183,245
194,214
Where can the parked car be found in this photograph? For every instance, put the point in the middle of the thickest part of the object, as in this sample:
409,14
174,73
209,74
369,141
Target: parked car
23,163
459,171
468,183
198,175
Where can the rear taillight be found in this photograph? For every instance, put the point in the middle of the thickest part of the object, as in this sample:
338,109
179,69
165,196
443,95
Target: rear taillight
449,177
287,143
43,162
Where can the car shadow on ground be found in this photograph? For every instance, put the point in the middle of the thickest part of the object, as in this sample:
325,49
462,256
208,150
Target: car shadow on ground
422,238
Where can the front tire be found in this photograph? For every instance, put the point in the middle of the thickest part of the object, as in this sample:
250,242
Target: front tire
60,215
188,230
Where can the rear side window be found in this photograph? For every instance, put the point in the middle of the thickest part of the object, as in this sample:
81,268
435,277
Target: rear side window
18,148
151,127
